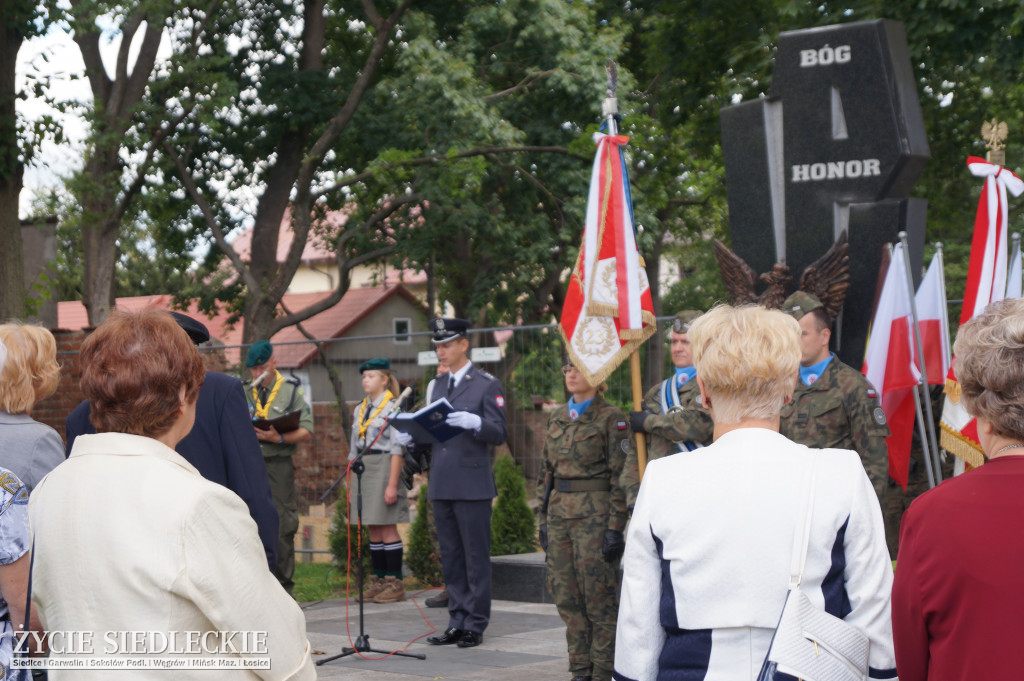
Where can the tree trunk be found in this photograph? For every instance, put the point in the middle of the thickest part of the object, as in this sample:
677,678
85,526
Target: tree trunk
654,359
99,235
12,267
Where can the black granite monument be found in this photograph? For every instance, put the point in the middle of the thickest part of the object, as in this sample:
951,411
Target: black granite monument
837,145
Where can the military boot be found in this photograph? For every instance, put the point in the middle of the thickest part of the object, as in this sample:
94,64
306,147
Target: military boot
372,588
392,591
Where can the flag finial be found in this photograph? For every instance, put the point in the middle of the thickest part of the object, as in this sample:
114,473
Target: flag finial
994,133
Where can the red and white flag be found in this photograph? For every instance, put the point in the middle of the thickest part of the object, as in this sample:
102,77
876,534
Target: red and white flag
933,320
889,364
608,311
986,283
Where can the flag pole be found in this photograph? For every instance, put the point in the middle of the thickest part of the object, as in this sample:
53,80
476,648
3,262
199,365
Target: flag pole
930,446
609,109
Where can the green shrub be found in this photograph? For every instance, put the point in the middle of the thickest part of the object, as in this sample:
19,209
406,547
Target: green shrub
419,554
512,523
342,542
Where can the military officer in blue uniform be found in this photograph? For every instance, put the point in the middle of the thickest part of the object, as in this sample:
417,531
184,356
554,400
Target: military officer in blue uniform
222,445
462,483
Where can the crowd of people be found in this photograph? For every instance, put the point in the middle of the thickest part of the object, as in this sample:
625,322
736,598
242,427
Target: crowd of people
186,478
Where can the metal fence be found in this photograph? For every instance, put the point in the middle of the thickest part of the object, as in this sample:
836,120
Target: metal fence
527,360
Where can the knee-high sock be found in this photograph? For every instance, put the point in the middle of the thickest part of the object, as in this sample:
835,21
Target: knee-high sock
393,558
378,560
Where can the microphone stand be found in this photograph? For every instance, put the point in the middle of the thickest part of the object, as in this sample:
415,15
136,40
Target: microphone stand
362,642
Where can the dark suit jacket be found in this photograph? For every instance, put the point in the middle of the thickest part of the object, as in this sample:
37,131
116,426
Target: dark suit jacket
223,448
461,467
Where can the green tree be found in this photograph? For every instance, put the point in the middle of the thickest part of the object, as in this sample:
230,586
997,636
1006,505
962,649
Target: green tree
513,528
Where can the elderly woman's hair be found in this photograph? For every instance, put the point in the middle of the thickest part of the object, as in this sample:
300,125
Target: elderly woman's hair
747,358
31,372
990,366
134,366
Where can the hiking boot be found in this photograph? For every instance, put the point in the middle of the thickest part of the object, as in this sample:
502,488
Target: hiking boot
374,587
438,601
392,591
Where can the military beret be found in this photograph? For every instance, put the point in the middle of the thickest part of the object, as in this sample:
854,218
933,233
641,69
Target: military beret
447,328
375,364
196,330
259,353
800,304
683,320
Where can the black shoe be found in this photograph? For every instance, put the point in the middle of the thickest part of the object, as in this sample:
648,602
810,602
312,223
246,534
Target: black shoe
453,635
582,678
438,601
470,639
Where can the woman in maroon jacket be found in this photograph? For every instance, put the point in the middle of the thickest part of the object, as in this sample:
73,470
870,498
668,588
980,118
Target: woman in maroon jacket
958,591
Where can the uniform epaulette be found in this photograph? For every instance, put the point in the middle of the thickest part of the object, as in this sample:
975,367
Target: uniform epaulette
486,374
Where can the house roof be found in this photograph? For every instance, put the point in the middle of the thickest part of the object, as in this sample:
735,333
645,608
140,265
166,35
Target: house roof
335,322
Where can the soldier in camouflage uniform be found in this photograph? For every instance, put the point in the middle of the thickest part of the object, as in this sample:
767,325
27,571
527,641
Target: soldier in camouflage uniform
685,427
583,515
834,406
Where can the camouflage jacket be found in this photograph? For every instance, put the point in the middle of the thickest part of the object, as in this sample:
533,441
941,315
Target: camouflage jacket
840,410
692,424
591,447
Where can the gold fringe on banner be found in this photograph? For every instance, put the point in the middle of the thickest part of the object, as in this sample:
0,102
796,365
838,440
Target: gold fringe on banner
602,310
960,446
953,390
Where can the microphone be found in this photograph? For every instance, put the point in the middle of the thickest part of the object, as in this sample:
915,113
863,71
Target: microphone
398,400
259,379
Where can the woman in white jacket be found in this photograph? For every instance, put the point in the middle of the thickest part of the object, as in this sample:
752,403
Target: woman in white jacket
707,560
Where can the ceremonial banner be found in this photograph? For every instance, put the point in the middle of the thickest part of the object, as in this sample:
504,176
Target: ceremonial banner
986,283
889,364
608,311
933,320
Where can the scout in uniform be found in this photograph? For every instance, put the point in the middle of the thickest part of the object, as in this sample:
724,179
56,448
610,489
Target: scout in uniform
270,397
672,414
583,515
834,406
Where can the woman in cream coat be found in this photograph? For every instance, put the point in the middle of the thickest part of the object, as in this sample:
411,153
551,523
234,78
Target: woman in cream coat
134,547
707,560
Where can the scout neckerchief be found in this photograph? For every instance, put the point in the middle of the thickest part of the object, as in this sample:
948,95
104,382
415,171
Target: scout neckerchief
812,373
364,425
670,401
576,409
263,411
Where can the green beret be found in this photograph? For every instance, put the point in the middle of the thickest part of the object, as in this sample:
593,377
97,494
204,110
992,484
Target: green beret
259,353
375,364
800,304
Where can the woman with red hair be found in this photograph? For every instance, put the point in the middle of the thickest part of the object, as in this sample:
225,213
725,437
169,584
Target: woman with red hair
129,537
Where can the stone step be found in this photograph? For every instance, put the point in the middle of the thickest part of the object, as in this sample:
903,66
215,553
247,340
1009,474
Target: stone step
520,578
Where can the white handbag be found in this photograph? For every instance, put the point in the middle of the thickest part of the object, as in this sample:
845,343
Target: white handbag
809,643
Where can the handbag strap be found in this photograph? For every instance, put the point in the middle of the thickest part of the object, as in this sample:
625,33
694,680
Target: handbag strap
802,531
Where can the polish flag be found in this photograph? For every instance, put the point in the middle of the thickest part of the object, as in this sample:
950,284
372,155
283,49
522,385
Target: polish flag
889,364
934,322
986,283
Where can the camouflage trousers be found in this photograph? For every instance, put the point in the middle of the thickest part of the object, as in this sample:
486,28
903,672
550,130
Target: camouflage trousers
586,592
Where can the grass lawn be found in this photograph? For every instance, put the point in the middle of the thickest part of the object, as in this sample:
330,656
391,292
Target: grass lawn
319,581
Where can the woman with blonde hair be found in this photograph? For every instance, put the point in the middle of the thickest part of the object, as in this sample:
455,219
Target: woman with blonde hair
708,555
385,503
30,375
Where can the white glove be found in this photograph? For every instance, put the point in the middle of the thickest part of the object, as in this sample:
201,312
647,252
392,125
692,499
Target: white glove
464,420
403,439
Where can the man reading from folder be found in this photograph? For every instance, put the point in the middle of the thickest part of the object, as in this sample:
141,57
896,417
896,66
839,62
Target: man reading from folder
273,398
462,483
